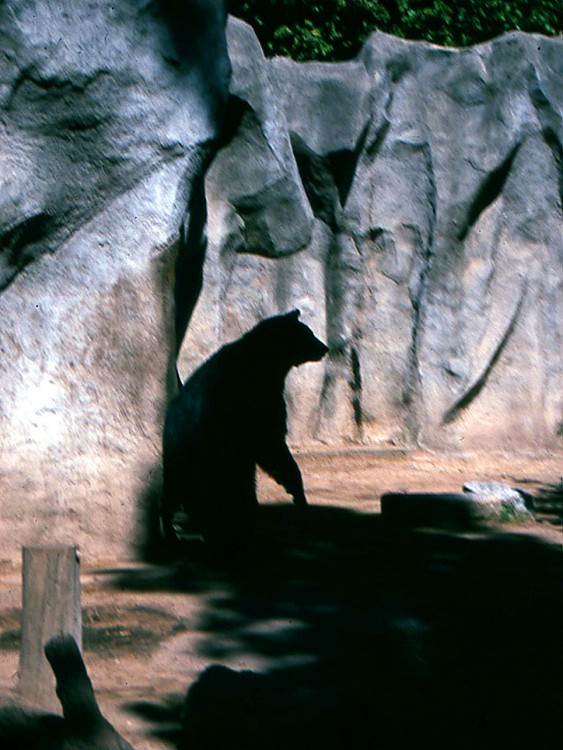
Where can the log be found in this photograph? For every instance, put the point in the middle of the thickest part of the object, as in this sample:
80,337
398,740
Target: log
438,509
50,606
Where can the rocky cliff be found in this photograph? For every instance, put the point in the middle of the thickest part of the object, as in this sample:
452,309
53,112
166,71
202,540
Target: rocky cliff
421,190
408,202
108,117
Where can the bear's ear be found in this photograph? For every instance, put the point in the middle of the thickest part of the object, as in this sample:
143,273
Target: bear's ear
294,314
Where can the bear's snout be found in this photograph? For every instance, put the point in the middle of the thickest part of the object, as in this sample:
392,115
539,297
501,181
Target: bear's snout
320,350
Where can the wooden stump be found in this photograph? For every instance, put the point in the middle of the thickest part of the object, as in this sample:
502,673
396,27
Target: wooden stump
51,605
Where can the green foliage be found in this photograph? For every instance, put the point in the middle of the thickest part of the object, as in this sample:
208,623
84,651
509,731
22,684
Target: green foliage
336,29
472,21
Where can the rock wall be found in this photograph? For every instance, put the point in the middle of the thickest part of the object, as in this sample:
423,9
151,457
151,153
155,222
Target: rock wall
420,192
408,202
108,116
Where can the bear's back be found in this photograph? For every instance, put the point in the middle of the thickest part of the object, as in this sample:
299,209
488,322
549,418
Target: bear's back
224,400
236,397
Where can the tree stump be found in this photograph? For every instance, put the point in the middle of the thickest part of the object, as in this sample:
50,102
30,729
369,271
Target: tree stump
50,606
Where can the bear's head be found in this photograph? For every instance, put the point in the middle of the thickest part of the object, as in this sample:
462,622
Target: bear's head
290,340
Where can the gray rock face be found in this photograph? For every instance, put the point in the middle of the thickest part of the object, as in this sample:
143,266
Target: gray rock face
408,202
435,259
108,116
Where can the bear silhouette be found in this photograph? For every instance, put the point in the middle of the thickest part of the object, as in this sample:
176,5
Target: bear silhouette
229,417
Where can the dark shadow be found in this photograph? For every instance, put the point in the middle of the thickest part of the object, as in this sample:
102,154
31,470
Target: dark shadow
547,503
149,540
488,192
192,246
165,717
196,31
23,244
399,636
81,727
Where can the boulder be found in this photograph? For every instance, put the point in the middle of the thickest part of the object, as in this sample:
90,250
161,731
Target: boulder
110,114
500,500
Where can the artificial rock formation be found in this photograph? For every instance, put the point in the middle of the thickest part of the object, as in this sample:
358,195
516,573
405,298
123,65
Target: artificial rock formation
429,246
109,115
408,202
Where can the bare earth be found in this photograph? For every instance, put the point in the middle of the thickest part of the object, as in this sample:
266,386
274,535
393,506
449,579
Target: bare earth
149,629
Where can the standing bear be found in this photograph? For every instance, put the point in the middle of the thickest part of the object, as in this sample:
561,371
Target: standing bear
229,416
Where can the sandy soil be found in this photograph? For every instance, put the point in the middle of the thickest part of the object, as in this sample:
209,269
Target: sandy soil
149,629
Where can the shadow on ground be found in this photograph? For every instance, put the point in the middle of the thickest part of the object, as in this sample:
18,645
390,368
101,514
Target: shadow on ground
395,637
548,503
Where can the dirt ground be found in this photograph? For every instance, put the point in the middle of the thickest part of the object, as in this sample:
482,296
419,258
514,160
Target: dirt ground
150,629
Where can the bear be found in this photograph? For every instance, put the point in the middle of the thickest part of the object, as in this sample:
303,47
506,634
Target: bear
227,418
